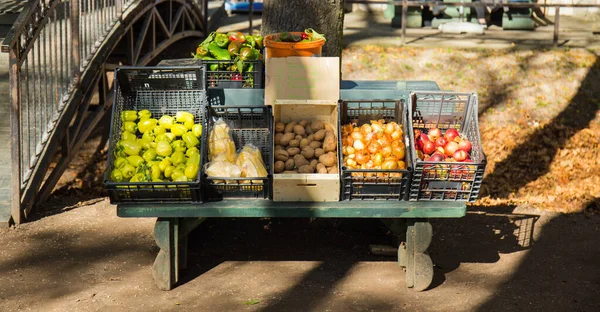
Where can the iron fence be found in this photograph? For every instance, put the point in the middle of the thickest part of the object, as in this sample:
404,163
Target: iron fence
51,46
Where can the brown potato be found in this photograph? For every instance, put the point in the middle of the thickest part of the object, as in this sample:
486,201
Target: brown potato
303,123
277,139
308,129
290,127
314,163
278,147
293,151
310,137
299,130
285,140
298,137
315,144
332,170
327,159
304,142
281,155
294,143
279,166
306,169
319,152
289,164
317,125
300,161
329,144
320,135
329,127
321,168
279,127
290,172
308,152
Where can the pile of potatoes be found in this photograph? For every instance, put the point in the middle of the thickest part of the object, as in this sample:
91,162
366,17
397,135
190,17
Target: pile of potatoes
305,147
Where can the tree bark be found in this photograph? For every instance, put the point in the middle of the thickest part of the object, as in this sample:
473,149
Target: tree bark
325,17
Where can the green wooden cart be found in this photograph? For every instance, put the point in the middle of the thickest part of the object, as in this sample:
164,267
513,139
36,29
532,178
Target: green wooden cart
406,219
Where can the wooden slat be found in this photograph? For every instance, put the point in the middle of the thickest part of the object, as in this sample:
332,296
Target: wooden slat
266,208
5,141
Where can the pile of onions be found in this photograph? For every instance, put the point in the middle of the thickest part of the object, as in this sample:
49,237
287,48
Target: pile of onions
378,145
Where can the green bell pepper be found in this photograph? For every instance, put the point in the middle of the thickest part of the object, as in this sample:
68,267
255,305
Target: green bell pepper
129,115
201,51
178,146
191,171
190,139
147,124
149,155
197,130
144,114
177,158
128,171
135,160
250,41
116,175
120,162
222,40
218,52
163,148
159,130
178,130
191,151
166,121
130,148
129,126
259,42
234,47
128,136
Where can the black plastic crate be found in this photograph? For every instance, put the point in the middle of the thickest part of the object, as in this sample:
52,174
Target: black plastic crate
374,184
447,181
225,78
248,125
161,90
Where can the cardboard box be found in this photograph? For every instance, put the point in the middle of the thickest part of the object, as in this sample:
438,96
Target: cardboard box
304,88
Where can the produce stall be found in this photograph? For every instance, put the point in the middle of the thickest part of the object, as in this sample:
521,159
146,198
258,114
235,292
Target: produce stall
306,146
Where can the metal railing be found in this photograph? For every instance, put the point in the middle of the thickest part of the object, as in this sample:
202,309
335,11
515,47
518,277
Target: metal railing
405,4
52,45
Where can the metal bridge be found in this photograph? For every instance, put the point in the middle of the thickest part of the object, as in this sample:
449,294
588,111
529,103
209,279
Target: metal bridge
61,53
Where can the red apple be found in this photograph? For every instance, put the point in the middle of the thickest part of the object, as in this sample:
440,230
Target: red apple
434,134
450,148
460,155
436,157
464,145
450,134
441,141
428,147
440,149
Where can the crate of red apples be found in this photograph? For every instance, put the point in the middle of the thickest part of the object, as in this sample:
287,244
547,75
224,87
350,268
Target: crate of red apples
449,160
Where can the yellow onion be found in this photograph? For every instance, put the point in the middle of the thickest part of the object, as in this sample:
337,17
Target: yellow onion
374,147
398,152
357,135
396,135
377,159
350,163
389,128
401,165
386,150
366,128
362,157
359,145
389,165
377,127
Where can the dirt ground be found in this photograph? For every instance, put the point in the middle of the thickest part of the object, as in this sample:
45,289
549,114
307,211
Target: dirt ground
518,248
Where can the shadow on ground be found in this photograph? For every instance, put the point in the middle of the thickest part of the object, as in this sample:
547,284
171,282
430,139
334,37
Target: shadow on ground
531,160
340,244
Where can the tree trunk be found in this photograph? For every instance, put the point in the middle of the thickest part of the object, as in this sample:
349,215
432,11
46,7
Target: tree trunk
325,17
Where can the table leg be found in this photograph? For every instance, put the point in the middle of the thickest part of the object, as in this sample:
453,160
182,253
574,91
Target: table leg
170,235
413,254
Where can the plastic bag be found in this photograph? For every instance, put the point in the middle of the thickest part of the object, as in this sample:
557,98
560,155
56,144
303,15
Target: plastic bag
220,142
250,160
222,168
